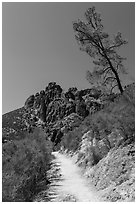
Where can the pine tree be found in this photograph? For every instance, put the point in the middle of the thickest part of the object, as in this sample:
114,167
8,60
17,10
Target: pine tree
97,43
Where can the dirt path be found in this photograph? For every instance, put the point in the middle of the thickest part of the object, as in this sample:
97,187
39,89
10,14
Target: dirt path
68,184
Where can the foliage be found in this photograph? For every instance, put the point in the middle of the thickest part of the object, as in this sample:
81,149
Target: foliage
24,167
97,43
71,140
118,115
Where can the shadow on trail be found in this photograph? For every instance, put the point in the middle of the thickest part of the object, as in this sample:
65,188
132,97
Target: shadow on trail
66,183
54,177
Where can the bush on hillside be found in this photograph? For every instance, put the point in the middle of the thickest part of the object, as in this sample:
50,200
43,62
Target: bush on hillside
117,118
25,163
71,140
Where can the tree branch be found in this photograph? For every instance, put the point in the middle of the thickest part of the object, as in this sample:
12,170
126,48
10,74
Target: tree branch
107,73
89,37
91,23
109,78
113,88
106,69
115,46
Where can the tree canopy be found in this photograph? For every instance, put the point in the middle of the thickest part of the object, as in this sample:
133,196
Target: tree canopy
97,43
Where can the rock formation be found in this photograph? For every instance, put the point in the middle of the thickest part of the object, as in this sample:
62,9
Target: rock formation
52,105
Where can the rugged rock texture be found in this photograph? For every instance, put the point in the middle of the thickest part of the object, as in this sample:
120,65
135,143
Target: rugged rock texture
62,127
53,110
70,122
114,175
52,104
50,107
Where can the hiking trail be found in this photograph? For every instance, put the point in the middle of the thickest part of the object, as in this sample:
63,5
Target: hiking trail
67,183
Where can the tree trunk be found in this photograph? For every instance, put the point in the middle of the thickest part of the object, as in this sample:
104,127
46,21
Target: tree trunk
118,81
115,73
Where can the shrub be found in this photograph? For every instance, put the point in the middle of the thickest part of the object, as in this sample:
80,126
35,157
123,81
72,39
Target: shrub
118,116
25,163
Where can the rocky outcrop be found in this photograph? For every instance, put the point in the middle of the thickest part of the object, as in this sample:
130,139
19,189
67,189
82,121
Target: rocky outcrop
43,107
63,126
59,112
70,122
51,105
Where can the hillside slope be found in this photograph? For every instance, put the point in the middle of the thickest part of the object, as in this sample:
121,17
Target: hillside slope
13,125
98,128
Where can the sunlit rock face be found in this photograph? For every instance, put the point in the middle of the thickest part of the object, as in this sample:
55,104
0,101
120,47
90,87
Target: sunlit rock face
44,105
93,149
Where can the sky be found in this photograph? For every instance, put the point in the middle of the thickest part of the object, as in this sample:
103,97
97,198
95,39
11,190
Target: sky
39,46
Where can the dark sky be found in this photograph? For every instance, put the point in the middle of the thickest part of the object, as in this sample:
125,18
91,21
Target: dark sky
38,46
